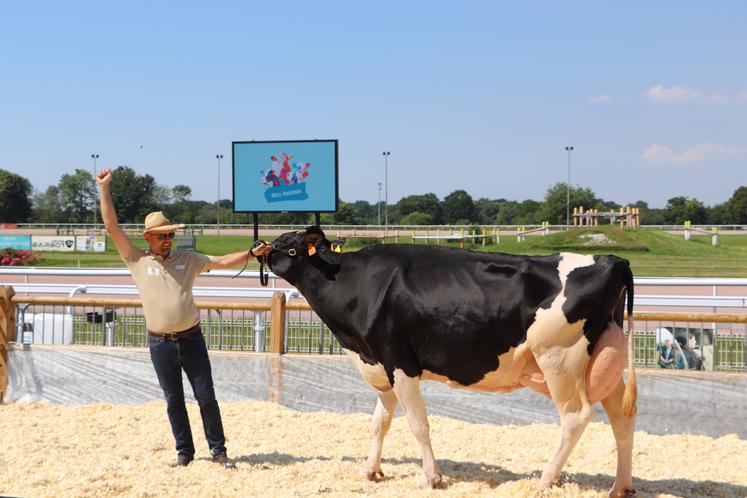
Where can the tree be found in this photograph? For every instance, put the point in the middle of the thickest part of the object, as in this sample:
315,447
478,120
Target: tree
133,195
47,206
181,193
555,206
424,204
77,196
487,210
736,207
15,203
417,218
458,205
345,214
650,216
716,215
365,212
681,209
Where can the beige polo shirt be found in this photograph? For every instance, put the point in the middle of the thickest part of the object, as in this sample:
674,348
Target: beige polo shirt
165,287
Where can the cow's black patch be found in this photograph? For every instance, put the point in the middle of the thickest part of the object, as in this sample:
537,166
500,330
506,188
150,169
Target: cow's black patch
594,293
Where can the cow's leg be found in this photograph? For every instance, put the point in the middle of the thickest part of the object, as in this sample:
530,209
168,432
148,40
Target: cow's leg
407,390
382,419
623,428
565,380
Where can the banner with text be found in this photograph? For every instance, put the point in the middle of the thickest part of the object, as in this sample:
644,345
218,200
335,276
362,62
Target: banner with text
53,243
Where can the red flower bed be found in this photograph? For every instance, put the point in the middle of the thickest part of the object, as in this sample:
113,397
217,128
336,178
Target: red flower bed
17,257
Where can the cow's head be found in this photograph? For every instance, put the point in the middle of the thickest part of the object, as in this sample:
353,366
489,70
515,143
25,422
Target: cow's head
293,252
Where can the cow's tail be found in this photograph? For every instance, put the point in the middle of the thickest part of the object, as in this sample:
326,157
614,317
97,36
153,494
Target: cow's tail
631,389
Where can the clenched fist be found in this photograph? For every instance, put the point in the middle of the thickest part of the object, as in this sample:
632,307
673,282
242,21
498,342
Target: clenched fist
104,177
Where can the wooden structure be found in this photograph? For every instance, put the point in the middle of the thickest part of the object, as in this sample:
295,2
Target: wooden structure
7,332
713,232
521,233
626,217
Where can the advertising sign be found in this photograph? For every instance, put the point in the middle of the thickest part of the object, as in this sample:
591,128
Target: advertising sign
91,243
15,242
53,243
285,176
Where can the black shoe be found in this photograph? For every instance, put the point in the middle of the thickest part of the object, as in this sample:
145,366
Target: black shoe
183,461
222,460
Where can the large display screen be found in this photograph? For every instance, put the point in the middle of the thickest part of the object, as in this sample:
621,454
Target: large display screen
285,176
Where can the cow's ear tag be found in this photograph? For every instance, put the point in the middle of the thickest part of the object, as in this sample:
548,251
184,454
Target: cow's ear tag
312,249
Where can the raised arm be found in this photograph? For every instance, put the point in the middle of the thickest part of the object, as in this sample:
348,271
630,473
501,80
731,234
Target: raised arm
237,258
109,215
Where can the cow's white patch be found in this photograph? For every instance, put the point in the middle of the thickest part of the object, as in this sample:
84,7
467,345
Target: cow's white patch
505,378
374,375
551,328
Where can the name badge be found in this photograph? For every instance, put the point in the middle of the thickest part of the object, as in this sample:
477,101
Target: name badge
180,267
153,271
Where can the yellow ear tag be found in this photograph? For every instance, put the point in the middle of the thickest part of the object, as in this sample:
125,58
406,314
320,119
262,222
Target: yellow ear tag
312,250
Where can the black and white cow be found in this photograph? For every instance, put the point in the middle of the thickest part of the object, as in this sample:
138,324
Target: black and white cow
475,320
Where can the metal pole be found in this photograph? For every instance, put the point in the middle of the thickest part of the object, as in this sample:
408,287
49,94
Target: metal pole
217,206
568,191
386,190
378,218
95,189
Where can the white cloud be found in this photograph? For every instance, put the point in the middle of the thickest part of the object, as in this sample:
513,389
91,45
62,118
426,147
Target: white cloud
720,98
664,155
597,99
662,95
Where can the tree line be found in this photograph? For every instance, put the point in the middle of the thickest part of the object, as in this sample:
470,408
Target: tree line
74,198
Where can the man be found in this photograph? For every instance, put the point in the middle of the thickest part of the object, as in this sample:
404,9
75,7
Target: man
164,279
666,354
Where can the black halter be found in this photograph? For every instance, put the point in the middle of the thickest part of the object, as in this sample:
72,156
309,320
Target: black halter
262,260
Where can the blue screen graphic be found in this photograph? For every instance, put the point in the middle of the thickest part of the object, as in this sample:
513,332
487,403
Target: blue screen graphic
15,241
285,176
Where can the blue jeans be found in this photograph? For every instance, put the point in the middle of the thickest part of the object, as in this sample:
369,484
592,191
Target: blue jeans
190,354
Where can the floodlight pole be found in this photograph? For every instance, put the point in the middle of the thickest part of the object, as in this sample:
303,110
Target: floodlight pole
378,205
386,155
217,210
568,148
96,191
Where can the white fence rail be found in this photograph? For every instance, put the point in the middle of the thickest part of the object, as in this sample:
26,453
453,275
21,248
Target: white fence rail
31,271
713,300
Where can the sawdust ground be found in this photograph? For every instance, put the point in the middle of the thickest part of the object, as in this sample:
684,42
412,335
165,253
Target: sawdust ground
107,450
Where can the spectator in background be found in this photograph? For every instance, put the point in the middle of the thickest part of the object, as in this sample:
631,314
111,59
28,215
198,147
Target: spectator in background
666,354
690,358
680,362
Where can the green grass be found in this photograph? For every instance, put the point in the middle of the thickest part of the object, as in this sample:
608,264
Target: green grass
651,252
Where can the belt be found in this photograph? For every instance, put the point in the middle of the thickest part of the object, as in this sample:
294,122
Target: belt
176,336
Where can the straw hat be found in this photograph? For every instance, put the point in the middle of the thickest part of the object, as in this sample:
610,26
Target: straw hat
157,222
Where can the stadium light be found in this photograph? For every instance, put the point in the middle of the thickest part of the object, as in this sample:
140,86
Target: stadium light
568,148
386,154
96,191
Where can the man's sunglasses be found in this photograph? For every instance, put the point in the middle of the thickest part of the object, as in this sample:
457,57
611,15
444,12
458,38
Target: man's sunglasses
165,236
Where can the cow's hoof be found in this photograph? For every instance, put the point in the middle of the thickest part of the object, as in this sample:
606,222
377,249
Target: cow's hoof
432,482
622,493
544,484
372,475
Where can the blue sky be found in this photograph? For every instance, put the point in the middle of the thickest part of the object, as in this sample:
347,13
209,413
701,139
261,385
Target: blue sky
478,95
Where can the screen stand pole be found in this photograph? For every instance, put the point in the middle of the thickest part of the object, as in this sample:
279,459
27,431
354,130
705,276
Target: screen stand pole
317,220
256,226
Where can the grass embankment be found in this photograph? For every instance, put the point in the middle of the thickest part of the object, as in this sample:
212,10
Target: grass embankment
651,252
